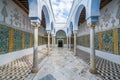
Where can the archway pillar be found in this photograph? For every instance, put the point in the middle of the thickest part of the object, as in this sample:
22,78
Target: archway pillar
54,40
75,46
69,42
35,49
48,32
92,48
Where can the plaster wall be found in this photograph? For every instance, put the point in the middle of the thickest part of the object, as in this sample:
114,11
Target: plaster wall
109,19
11,14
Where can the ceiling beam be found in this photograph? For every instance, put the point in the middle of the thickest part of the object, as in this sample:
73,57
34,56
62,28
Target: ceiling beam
21,5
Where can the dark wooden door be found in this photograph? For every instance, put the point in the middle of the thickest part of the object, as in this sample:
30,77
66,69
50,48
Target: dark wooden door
60,43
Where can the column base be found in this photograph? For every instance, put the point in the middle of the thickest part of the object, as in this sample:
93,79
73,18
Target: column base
69,49
93,71
34,70
74,54
48,51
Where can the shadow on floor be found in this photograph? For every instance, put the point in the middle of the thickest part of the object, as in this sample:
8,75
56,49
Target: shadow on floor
48,77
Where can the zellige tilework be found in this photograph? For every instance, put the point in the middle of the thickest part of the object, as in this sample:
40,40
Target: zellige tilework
4,39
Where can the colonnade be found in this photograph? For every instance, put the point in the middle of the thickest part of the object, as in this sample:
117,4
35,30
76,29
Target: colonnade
92,49
92,46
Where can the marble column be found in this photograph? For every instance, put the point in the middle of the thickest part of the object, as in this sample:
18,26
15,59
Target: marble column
35,48
69,42
48,40
75,33
92,49
54,41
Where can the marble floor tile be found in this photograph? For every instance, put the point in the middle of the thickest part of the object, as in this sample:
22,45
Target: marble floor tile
59,64
106,69
63,65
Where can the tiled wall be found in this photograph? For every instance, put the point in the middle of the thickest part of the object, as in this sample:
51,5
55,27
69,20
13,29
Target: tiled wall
119,40
17,40
14,40
4,39
15,27
27,40
107,41
107,37
109,19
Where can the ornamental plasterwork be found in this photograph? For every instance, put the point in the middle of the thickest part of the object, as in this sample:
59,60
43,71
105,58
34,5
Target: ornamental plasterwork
16,16
118,11
4,11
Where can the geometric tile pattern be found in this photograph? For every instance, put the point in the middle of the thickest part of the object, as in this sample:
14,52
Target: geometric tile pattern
106,69
85,41
27,40
88,40
32,40
40,40
63,65
19,69
17,40
96,42
4,35
16,70
119,40
81,40
107,40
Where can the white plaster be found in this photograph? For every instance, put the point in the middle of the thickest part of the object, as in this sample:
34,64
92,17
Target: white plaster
110,10
105,55
14,10
8,57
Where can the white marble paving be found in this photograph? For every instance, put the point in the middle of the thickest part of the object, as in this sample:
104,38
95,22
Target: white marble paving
61,64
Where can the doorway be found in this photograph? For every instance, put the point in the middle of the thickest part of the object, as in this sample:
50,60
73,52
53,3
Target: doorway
60,43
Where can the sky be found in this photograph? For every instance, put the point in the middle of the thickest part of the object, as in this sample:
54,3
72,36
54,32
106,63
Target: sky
61,9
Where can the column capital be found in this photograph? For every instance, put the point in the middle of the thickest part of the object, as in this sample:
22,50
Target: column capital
91,25
35,24
69,36
54,36
48,32
75,32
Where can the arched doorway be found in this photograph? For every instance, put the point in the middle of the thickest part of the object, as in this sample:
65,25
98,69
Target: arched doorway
61,38
60,43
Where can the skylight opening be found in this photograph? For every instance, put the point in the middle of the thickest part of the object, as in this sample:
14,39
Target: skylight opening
61,9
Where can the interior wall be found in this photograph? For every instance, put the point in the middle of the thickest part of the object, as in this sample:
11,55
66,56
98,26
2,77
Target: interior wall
16,32
107,36
14,16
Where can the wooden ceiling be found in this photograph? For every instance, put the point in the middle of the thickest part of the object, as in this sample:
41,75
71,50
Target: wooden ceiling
24,5
83,13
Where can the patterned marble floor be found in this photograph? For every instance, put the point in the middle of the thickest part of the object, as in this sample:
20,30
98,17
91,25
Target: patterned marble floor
20,68
106,69
61,64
